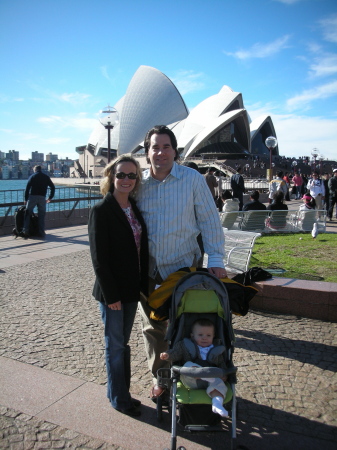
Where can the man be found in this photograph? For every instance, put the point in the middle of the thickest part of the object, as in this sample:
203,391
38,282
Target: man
298,181
211,181
35,195
317,191
333,193
254,204
176,205
238,186
219,178
277,185
327,191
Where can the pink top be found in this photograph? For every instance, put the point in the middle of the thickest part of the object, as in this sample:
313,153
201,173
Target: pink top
135,225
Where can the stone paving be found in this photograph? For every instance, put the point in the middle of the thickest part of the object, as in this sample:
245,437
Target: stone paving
287,365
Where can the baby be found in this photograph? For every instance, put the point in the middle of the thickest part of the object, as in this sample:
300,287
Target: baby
201,347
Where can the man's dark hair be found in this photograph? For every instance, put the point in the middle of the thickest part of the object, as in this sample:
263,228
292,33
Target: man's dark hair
255,195
161,129
37,169
280,174
226,195
210,169
239,169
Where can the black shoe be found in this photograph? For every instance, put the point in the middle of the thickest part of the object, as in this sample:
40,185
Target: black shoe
136,402
132,411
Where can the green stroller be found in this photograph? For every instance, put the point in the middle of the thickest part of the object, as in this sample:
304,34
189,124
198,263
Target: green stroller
198,295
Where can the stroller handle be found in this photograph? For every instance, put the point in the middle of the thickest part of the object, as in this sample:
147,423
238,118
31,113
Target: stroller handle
204,372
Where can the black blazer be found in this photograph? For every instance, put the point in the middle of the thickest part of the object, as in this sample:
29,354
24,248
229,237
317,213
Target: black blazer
114,253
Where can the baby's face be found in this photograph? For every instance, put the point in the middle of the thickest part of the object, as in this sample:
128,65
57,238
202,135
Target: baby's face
203,336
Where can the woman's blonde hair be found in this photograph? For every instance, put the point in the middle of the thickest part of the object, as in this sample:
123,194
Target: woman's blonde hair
107,184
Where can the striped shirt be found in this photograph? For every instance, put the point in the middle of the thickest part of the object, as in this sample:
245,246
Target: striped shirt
175,211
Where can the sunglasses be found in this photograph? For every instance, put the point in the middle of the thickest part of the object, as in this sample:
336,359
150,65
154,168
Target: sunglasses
122,175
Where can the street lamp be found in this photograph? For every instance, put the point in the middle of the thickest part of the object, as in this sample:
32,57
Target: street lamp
271,143
109,119
315,153
294,164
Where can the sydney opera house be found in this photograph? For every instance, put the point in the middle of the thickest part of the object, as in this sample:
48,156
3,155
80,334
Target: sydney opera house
219,127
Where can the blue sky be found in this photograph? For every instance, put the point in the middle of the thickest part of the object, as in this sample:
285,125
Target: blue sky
64,60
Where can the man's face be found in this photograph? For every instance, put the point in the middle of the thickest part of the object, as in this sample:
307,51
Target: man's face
335,174
161,153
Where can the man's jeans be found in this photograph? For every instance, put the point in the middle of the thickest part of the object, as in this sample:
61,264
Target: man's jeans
40,202
117,331
298,192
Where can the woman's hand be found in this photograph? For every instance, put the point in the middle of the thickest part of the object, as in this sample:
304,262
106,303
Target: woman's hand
164,356
115,306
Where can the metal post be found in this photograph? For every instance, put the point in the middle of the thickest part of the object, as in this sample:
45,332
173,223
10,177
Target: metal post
109,151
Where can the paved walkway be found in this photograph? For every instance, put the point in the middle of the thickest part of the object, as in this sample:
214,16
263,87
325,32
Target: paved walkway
52,373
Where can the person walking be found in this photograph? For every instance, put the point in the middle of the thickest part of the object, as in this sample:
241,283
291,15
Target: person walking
177,206
238,186
211,181
119,253
35,195
333,193
298,181
327,191
278,184
316,189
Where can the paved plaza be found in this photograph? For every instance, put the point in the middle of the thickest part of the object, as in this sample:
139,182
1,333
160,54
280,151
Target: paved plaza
52,386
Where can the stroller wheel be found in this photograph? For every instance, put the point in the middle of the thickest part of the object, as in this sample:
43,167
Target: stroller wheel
181,448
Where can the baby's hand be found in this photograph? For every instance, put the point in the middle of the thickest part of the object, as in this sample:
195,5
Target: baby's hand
164,355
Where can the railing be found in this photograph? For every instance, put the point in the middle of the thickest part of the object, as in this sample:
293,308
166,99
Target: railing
70,205
283,221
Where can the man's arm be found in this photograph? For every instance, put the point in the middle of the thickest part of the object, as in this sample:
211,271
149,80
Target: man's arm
52,189
208,221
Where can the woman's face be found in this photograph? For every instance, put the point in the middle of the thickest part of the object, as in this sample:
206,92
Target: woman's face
124,185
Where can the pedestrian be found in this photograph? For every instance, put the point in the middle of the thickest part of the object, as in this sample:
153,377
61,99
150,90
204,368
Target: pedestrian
238,186
298,181
119,252
333,193
211,181
278,184
316,189
35,195
287,181
177,205
219,178
327,191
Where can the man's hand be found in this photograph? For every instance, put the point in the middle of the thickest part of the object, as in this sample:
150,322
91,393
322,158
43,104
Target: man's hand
219,272
115,306
47,201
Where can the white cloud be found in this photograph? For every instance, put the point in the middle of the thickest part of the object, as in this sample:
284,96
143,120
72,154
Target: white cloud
329,26
74,98
324,66
307,96
55,141
79,122
104,71
188,81
259,50
299,134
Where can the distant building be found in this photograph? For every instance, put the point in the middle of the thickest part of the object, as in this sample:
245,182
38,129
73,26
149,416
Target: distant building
12,155
2,155
37,157
51,158
5,172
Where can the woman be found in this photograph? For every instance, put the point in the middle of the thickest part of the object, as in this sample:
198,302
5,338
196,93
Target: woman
309,203
277,219
119,253
229,203
277,203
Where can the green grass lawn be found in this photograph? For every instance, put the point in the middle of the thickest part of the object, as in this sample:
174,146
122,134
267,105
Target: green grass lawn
299,255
